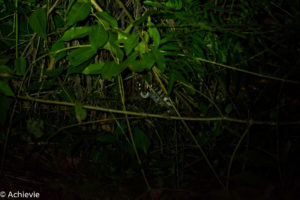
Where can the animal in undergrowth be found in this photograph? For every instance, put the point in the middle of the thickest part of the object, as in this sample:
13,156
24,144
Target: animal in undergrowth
150,89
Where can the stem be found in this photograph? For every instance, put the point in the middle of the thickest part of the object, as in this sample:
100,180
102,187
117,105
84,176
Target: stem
17,28
234,152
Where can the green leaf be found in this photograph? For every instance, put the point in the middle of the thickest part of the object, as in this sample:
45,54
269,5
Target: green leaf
105,17
111,69
20,65
57,46
38,22
80,112
98,36
5,89
130,43
141,140
154,33
174,76
160,59
107,69
4,107
76,32
78,12
94,68
5,69
141,47
80,55
77,69
174,4
148,60
54,73
115,50
35,127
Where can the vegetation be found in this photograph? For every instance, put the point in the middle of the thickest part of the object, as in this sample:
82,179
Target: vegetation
75,125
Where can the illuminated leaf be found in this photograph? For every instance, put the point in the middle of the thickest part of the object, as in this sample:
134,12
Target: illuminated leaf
75,33
98,36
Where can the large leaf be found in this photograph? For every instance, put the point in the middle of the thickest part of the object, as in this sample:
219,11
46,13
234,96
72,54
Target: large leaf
130,43
38,22
77,69
76,32
154,33
115,50
141,47
20,65
78,12
5,89
148,60
80,55
106,19
107,69
5,69
94,68
160,59
141,140
98,36
57,46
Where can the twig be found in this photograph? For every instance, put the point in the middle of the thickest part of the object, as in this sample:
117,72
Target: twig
234,152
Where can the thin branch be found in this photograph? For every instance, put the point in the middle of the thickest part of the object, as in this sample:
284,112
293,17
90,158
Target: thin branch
161,116
234,152
241,70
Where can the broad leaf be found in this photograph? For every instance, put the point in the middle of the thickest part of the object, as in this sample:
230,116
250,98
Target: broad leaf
160,59
80,55
57,46
98,36
20,65
38,22
148,60
111,69
94,68
154,33
78,12
115,50
107,69
76,32
174,76
5,89
130,43
5,69
106,18
141,47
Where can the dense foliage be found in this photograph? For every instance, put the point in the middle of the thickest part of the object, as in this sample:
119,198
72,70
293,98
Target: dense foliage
75,124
